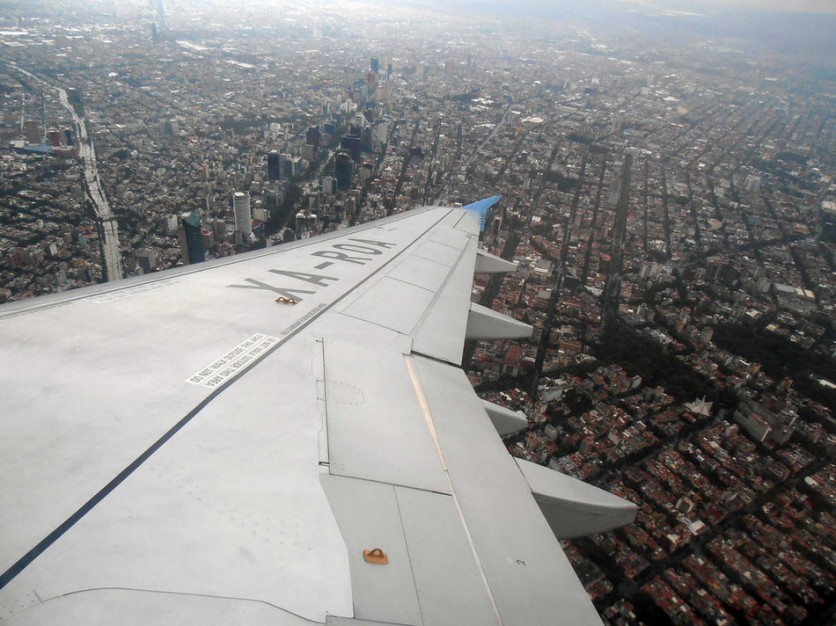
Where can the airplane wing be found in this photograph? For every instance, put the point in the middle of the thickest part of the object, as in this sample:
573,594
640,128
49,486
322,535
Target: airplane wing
281,437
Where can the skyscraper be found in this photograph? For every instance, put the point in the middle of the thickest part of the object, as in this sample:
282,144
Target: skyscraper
161,14
366,139
313,136
343,170
243,216
329,185
285,165
274,171
191,239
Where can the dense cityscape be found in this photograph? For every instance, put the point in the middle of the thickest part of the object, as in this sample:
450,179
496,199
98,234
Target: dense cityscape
668,194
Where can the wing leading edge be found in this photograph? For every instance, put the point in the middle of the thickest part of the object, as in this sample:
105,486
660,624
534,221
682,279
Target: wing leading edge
225,442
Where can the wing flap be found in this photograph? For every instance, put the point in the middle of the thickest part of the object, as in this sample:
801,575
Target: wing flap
530,578
374,431
451,589
369,519
431,576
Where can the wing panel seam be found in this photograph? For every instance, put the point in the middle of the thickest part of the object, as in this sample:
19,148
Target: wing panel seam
425,409
411,568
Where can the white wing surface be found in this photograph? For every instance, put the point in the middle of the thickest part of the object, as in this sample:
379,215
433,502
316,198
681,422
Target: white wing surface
223,443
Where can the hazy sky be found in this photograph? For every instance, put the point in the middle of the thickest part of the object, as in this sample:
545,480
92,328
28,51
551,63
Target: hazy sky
794,6
697,7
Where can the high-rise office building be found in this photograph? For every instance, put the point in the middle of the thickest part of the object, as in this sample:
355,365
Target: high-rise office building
329,185
191,238
343,170
274,197
313,137
366,139
274,170
285,165
296,168
375,65
352,144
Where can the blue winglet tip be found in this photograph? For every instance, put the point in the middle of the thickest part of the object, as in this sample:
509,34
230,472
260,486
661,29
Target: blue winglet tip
481,207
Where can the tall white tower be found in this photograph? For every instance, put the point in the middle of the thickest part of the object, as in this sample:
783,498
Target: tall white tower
243,215
161,14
